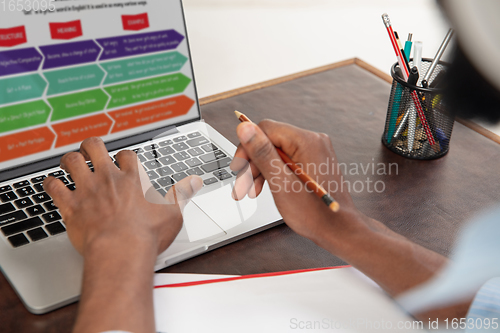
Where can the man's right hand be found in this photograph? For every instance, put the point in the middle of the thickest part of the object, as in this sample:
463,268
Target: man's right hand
301,209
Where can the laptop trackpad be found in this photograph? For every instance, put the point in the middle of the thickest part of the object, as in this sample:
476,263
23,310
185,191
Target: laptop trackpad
223,209
197,225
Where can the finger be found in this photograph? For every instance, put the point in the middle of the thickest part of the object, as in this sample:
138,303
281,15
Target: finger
127,160
182,192
60,194
74,163
285,136
144,178
257,187
262,153
240,159
94,150
244,181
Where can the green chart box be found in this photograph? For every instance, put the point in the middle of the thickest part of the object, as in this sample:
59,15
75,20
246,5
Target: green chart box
74,79
21,88
77,104
141,67
23,115
139,91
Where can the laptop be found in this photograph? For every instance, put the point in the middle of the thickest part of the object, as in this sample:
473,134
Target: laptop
121,71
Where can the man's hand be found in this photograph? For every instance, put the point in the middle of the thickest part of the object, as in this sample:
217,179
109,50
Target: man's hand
110,202
301,209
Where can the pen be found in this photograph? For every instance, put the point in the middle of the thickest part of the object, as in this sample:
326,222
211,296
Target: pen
437,57
305,178
417,55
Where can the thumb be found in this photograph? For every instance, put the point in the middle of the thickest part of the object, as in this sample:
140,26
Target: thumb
260,150
182,192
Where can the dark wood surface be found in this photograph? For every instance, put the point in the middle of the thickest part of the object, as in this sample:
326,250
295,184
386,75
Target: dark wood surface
426,201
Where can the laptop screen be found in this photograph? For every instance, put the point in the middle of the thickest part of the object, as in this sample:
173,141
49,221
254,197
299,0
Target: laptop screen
74,69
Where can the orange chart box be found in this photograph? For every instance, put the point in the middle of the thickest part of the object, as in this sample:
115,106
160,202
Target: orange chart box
78,130
144,114
25,143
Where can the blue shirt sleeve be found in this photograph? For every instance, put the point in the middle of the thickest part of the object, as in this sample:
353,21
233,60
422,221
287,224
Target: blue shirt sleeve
485,309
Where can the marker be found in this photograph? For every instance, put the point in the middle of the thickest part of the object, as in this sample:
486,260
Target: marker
437,57
417,55
408,44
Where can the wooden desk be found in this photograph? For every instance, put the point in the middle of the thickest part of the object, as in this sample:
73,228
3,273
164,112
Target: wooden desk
426,201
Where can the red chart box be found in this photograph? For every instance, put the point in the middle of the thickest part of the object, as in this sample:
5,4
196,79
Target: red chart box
66,30
25,143
135,22
77,130
12,36
150,112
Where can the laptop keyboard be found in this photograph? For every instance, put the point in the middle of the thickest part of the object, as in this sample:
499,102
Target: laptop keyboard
28,215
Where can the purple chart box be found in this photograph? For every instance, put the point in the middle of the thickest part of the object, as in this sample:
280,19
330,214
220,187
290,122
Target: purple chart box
67,54
19,61
124,46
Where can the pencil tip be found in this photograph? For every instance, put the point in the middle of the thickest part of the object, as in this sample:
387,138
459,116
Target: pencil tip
238,114
334,206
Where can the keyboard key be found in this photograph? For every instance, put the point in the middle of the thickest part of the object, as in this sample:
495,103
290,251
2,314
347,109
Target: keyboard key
225,176
195,151
166,151
23,203
164,171
64,180
195,171
25,191
151,147
152,155
141,158
18,227
168,188
193,135
35,210
197,142
55,228
192,162
41,197
167,160
37,234
6,208
179,176
216,155
49,206
9,196
39,187
57,173
138,150
70,179
210,181
166,143
219,173
152,175
180,138
5,188
209,147
165,181
178,167
181,156
155,184
18,240
21,184
154,164
38,179
235,173
71,187
180,146
162,192
51,217
215,165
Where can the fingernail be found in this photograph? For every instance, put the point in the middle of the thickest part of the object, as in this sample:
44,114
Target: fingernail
196,183
246,131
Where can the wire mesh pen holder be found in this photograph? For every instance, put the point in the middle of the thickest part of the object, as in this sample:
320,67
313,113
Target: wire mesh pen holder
418,124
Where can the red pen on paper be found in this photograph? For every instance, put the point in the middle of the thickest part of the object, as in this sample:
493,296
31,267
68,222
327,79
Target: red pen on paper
406,73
